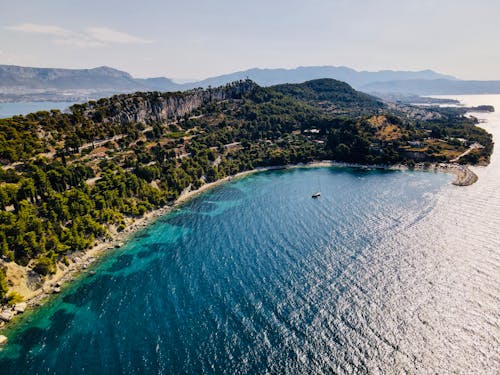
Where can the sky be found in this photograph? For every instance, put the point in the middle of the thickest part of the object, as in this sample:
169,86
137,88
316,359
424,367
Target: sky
194,39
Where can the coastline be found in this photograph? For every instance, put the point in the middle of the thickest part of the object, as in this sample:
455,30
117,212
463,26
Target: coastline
463,175
80,261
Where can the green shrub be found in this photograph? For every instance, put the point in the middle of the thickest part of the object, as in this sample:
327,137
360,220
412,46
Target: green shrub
13,298
65,260
44,266
3,284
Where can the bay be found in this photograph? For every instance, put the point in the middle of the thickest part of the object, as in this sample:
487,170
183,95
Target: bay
387,272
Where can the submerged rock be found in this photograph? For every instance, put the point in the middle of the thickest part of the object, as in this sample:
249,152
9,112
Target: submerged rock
3,340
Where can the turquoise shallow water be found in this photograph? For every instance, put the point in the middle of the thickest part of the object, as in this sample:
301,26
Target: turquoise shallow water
252,277
388,272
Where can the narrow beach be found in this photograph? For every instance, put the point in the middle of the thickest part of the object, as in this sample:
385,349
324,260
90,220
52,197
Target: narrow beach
81,261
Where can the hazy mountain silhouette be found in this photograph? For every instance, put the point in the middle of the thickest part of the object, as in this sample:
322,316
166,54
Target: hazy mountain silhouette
268,77
21,83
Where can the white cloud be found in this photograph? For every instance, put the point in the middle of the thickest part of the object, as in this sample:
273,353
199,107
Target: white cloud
79,41
105,35
91,37
39,29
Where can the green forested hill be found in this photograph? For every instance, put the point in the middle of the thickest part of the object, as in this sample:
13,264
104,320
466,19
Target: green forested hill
339,95
67,177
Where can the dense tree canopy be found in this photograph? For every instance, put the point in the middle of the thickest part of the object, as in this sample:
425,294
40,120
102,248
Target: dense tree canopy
68,177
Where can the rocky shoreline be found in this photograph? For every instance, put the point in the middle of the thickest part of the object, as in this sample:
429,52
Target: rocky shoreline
463,175
81,261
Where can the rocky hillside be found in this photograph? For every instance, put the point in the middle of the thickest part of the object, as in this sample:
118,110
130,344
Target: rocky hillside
157,107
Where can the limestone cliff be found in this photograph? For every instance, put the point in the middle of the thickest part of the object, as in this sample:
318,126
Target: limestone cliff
151,107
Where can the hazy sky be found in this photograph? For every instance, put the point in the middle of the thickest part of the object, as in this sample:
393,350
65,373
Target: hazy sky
197,39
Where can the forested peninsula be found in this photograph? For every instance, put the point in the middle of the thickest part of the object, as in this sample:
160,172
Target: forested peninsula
70,179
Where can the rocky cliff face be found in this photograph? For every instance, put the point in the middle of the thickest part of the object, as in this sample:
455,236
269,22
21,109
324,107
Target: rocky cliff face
154,107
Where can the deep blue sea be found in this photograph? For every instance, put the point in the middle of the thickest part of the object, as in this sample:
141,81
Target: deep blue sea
387,272
250,277
23,108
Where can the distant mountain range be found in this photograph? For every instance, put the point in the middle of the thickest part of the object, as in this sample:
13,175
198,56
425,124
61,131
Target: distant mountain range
35,79
45,84
38,84
268,77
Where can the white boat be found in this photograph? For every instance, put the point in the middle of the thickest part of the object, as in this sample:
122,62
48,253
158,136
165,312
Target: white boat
318,193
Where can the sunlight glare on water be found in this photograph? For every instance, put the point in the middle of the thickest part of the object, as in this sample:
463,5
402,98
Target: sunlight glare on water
387,272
